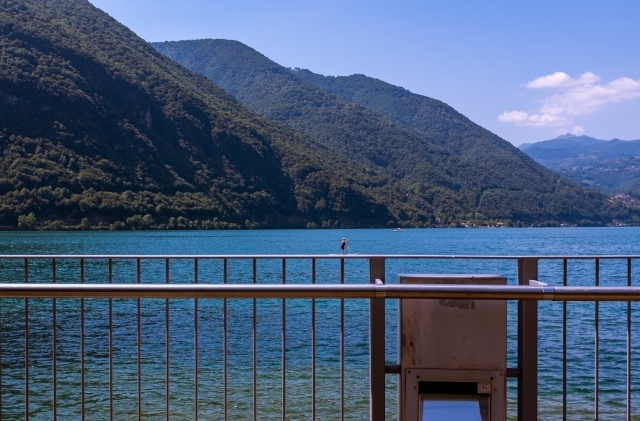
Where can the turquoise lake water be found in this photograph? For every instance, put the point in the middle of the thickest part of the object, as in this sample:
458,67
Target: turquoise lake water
546,241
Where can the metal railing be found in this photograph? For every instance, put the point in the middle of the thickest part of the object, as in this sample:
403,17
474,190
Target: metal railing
18,272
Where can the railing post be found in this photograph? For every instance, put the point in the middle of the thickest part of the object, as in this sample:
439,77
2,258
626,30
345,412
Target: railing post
527,345
376,343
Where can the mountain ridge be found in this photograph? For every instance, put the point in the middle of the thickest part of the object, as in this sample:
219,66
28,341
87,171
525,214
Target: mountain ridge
426,115
520,190
581,144
99,130
611,166
98,126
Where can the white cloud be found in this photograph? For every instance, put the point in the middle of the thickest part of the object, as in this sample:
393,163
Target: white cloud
572,97
577,130
513,117
561,79
522,118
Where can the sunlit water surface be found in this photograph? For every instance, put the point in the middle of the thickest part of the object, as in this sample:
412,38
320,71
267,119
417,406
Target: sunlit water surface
550,241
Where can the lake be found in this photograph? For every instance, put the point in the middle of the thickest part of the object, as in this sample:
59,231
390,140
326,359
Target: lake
525,241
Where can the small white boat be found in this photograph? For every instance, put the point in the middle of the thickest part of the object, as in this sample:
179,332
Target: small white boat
398,230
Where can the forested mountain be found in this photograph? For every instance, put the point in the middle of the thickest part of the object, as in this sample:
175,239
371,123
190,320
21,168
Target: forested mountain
461,170
434,118
611,166
98,128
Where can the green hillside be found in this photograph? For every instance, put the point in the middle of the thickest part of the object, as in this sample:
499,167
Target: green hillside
461,170
99,129
437,120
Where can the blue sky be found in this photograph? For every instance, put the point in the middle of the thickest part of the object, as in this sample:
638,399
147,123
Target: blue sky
527,71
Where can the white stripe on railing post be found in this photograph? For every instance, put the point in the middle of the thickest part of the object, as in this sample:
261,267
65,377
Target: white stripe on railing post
376,343
527,345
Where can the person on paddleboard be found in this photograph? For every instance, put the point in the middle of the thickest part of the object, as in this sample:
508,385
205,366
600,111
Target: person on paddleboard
343,243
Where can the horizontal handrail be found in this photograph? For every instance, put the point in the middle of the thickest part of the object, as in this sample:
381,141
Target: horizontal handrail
365,291
316,284
310,256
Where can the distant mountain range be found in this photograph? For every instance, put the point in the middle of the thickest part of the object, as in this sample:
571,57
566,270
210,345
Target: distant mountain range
611,166
449,166
100,130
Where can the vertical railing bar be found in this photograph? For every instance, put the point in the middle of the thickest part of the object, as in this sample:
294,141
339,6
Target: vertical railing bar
139,344
110,343
82,379
564,344
313,344
26,344
196,342
565,276
284,344
167,345
527,345
225,271
377,325
54,335
342,331
1,331
255,345
597,345
629,382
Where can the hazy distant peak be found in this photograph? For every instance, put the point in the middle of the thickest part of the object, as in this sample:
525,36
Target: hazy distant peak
573,146
582,138
578,138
